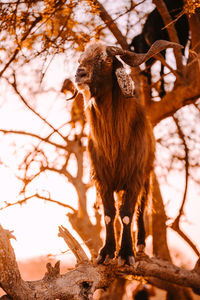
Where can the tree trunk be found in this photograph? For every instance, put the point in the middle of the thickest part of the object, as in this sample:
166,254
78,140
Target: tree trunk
160,247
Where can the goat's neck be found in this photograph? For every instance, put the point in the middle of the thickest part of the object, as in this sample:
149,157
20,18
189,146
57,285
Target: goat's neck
108,116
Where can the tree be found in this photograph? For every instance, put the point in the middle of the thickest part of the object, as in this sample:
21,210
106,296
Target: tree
33,33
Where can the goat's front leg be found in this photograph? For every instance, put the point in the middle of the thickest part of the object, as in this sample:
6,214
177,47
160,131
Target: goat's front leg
108,251
126,253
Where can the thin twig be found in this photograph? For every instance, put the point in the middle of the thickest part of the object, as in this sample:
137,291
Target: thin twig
175,227
45,139
38,196
35,22
176,224
14,85
186,158
109,23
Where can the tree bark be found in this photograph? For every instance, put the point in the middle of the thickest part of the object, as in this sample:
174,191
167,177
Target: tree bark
159,232
82,282
160,247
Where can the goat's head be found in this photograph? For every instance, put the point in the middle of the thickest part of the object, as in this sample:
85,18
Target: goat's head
95,68
96,64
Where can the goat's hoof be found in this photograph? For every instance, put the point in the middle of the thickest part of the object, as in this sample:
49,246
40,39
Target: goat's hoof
130,260
140,254
140,248
120,261
108,259
101,259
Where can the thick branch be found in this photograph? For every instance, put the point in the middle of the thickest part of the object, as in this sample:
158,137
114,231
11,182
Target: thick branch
183,93
10,278
81,282
180,96
107,19
162,9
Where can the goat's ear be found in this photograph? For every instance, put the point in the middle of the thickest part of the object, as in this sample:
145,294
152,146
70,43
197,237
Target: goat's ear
135,59
125,82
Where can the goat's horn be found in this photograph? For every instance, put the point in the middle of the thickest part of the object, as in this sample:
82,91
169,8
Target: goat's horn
135,59
73,96
112,50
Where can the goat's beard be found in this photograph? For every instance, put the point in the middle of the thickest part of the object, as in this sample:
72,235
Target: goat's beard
85,90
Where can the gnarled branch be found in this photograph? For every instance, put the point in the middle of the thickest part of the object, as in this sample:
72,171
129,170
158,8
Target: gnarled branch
82,282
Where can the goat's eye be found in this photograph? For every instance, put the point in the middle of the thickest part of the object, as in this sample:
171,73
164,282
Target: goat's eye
109,60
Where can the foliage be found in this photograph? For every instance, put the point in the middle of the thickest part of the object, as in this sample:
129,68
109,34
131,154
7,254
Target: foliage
192,5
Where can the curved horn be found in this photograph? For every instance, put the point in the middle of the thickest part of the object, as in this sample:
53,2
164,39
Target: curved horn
73,96
135,59
112,50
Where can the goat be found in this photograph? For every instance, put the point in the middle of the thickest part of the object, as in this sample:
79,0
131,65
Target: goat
120,142
153,30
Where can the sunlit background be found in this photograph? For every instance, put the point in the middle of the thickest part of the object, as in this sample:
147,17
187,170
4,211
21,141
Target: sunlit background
35,221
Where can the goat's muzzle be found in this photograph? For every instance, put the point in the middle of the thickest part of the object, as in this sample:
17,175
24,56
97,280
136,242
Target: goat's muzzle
82,76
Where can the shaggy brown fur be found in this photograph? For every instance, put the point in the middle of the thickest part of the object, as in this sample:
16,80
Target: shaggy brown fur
121,146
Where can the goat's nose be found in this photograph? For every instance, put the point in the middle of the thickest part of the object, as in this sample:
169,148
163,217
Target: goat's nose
81,72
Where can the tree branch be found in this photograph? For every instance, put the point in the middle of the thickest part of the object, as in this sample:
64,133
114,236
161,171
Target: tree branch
180,96
176,224
14,85
163,11
75,247
38,196
107,19
35,22
186,158
81,282
43,139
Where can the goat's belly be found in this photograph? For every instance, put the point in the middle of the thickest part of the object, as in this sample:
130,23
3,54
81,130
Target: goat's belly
114,167
114,172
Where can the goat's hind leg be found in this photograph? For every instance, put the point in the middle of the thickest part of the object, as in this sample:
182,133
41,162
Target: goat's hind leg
140,221
107,253
126,253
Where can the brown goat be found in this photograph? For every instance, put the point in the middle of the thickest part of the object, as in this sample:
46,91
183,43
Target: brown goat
121,144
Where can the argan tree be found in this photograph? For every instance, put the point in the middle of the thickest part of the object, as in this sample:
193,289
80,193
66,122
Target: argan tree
34,34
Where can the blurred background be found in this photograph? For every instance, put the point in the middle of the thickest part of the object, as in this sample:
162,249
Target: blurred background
44,168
